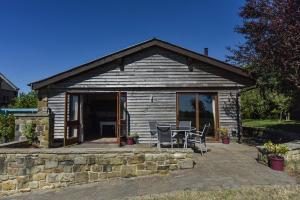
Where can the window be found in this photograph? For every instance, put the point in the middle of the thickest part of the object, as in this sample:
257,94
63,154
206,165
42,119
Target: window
199,108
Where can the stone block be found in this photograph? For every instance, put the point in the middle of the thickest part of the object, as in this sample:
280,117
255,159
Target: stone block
93,176
9,185
186,164
67,177
179,155
22,182
51,164
33,184
128,170
152,166
141,167
155,157
116,161
39,176
3,178
96,168
136,159
91,160
12,171
34,170
173,167
81,177
101,160
22,172
53,178
116,167
80,168
80,161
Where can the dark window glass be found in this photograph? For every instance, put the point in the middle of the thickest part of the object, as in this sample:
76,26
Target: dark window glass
187,108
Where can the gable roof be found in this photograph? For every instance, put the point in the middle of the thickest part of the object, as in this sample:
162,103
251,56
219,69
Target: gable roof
136,48
2,77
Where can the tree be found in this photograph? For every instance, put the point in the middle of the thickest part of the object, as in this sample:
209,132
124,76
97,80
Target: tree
272,49
253,105
24,100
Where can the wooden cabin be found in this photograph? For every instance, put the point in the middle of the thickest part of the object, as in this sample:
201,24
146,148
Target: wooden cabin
151,81
8,91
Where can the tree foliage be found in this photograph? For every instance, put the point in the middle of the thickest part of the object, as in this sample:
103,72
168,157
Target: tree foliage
7,127
272,105
272,48
25,100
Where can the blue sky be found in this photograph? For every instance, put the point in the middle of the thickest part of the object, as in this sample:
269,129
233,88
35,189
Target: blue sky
39,38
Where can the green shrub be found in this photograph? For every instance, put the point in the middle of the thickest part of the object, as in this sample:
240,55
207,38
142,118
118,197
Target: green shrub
7,127
30,133
276,149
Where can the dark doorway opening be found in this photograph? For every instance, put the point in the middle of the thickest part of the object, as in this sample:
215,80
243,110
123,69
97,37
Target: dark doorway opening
99,116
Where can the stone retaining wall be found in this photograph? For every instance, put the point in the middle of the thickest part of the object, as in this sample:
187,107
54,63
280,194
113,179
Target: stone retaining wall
23,170
43,123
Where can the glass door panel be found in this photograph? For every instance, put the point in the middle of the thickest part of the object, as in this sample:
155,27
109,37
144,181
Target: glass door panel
187,107
206,104
199,108
72,116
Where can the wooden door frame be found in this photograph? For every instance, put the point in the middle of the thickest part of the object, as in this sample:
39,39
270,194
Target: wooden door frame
119,115
76,139
217,116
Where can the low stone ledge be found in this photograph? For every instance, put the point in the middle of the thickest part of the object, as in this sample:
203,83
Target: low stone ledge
93,150
23,170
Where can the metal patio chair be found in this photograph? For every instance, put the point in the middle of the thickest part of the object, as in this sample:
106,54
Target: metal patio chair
185,127
165,135
153,133
199,138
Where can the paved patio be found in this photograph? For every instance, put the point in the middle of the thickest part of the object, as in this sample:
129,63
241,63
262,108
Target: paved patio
224,166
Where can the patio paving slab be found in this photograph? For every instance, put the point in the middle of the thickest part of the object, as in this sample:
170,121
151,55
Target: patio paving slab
224,166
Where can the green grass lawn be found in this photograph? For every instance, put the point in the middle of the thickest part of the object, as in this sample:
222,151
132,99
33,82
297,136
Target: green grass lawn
290,126
244,193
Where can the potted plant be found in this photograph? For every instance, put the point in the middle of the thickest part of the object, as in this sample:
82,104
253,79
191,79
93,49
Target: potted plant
224,134
135,137
130,140
276,155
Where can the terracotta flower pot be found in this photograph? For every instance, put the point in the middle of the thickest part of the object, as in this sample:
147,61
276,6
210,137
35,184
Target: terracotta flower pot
225,140
130,141
276,163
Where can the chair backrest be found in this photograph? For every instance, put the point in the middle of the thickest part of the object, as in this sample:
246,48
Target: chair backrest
164,134
204,131
185,125
153,127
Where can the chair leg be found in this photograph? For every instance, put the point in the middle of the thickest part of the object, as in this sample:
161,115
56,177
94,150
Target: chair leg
200,146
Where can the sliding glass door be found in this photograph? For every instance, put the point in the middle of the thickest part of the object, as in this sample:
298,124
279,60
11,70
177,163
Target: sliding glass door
200,109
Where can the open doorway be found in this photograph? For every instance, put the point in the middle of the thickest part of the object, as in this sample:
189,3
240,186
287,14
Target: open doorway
99,116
